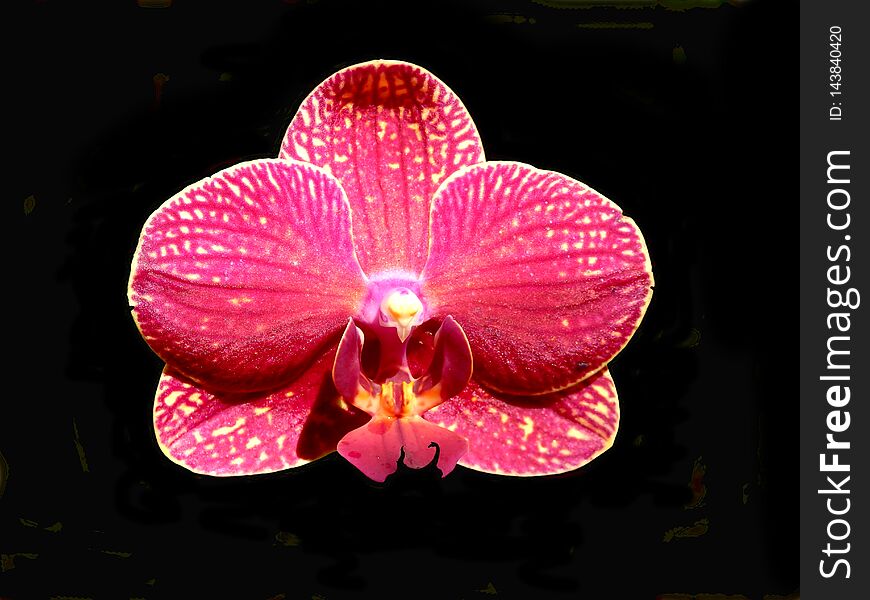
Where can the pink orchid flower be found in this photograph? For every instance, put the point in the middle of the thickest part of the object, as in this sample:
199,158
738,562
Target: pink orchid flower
383,291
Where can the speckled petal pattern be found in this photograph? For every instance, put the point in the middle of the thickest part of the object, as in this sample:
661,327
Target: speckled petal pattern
547,277
391,132
247,434
241,279
542,435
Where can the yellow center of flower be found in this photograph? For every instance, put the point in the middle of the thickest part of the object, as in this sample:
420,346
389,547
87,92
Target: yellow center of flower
401,309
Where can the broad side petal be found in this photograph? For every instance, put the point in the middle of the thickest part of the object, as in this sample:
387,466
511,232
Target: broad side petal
246,434
547,277
241,279
541,435
391,132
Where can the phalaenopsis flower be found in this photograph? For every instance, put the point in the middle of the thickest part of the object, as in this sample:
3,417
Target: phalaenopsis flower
380,289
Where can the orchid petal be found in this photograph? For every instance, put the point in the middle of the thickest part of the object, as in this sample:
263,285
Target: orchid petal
450,367
375,448
391,132
246,434
538,435
548,278
241,279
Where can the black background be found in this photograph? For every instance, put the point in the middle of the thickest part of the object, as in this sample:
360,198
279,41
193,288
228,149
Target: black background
695,144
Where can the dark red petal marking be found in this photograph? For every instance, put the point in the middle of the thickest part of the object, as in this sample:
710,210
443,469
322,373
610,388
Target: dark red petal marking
541,435
451,364
547,277
227,435
240,280
391,132
347,371
375,448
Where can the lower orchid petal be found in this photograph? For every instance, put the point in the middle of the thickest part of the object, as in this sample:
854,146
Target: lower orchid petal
247,434
241,279
540,435
547,277
376,447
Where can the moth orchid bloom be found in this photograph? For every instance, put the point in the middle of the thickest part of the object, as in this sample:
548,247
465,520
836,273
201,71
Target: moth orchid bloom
381,290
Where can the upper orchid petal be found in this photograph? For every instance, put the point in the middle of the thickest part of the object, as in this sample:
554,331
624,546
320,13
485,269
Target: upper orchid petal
241,279
391,132
227,434
539,435
547,277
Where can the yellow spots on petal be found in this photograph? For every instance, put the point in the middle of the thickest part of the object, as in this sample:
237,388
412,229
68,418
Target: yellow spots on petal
189,451
280,441
254,441
452,427
515,222
243,250
239,301
628,252
263,456
201,250
185,216
509,442
550,233
565,323
542,449
228,429
187,409
261,410
172,398
237,461
263,220
198,437
198,213
576,434
479,424
339,158
504,418
193,276
302,152
564,246
564,452
382,129
393,165
555,443
290,394
216,279
527,426
601,390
